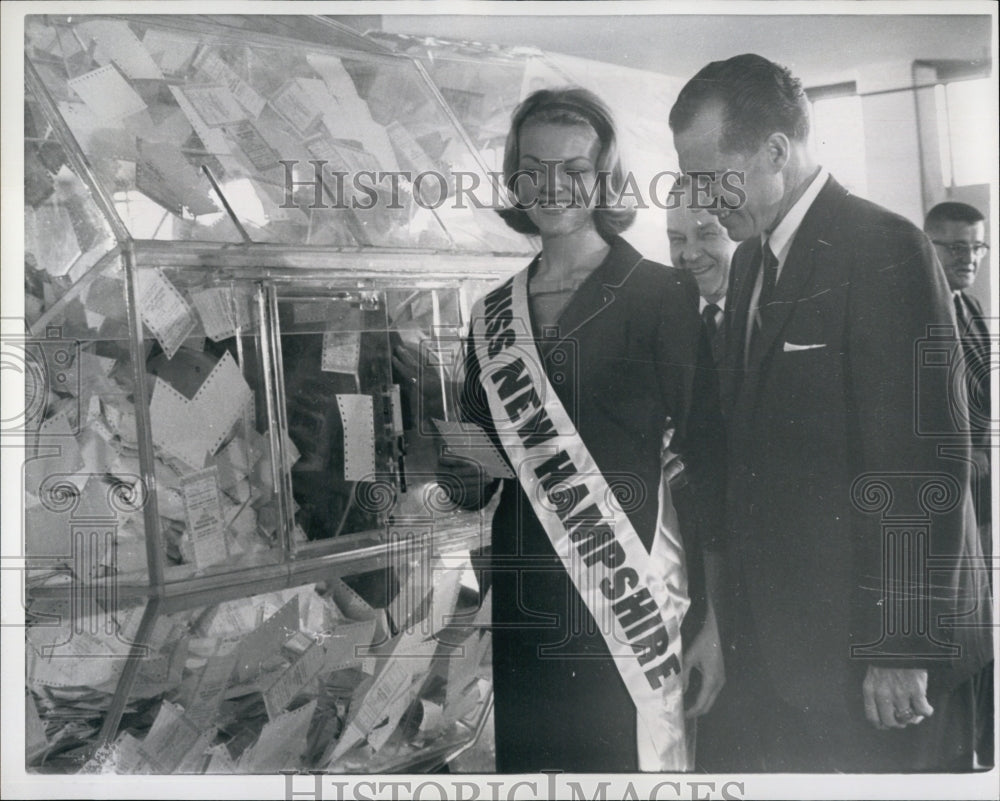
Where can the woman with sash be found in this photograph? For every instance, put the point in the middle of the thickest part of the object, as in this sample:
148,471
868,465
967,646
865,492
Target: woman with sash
579,368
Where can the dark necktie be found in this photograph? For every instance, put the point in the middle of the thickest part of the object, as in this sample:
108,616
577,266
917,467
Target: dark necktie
710,315
961,314
769,264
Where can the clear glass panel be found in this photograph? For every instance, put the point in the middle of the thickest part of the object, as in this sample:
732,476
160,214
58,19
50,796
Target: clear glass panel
336,375
427,357
75,653
366,673
216,502
481,83
83,488
65,234
318,29
178,123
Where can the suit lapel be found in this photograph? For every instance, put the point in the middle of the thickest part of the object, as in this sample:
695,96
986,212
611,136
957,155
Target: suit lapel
808,246
975,337
742,275
597,293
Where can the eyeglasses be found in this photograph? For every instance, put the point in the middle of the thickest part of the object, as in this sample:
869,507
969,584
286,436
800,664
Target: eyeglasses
960,249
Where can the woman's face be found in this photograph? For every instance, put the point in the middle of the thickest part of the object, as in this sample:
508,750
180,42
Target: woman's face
557,178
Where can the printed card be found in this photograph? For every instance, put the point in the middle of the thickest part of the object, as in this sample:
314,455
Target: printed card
164,309
203,512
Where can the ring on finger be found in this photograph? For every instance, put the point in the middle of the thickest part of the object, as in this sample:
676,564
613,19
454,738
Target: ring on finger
905,716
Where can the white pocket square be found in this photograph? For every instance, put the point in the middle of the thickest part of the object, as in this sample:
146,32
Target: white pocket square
791,346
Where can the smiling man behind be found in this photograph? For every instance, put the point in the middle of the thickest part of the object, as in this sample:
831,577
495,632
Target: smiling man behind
828,298
699,244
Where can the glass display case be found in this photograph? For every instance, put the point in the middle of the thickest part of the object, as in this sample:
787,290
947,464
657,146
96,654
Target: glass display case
238,557
483,83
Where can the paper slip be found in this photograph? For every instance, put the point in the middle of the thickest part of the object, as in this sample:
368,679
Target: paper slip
214,140
211,684
176,429
292,681
266,640
447,583
337,79
295,104
484,615
164,309
215,104
349,644
173,52
463,665
380,735
221,400
291,452
350,603
341,351
190,429
171,736
51,238
461,705
233,462
133,758
164,175
197,757
219,760
358,419
203,514
386,687
242,92
107,93
222,311
281,743
256,148
469,441
409,148
431,718
412,602
35,741
411,656
116,42
229,619
355,157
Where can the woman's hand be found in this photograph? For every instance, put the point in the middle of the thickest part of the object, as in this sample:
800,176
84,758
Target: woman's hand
705,656
464,481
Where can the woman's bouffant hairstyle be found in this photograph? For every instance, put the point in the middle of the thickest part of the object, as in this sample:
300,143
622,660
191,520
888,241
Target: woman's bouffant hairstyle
571,106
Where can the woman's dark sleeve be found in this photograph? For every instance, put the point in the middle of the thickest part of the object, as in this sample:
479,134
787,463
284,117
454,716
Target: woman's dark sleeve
473,408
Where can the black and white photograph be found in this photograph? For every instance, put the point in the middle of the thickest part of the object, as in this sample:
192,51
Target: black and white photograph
499,400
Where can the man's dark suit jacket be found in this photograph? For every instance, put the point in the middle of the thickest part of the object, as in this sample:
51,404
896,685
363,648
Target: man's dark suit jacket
822,437
976,345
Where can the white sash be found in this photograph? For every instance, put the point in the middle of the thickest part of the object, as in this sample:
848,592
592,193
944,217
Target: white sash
636,598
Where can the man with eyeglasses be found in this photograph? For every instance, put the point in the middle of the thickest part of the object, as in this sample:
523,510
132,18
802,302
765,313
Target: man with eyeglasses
957,231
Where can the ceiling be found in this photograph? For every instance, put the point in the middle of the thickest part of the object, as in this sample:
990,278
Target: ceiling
817,47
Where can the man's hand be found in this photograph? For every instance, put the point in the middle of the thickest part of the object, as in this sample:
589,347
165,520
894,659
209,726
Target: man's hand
705,655
896,697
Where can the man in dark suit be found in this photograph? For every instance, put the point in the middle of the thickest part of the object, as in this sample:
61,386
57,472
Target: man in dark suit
845,658
699,244
957,231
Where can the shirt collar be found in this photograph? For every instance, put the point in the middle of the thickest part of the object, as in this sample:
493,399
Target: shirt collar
702,303
781,237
